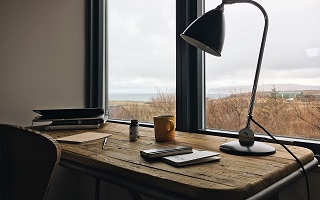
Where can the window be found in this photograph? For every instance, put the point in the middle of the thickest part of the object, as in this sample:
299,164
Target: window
149,64
141,58
288,98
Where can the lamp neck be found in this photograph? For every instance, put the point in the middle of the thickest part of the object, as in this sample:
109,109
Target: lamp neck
263,41
220,7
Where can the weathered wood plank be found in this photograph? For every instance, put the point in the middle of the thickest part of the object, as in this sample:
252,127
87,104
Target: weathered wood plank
233,177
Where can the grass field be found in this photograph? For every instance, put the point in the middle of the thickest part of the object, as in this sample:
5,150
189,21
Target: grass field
298,118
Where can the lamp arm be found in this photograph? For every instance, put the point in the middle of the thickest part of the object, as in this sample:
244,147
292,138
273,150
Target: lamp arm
246,144
263,41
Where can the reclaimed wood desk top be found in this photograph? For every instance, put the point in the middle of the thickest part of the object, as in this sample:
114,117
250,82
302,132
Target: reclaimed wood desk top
233,177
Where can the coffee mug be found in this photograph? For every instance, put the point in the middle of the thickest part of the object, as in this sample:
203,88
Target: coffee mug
164,128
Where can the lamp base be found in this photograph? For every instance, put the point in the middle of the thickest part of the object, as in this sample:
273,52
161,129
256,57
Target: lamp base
256,149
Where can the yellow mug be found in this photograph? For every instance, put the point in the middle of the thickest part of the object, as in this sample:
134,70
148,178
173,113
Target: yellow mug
164,128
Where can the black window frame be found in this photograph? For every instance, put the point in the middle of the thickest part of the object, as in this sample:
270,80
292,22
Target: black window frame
190,71
96,72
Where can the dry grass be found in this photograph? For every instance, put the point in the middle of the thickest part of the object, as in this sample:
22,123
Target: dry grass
162,104
297,118
278,116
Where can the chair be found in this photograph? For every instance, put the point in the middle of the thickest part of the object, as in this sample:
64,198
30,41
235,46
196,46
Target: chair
27,162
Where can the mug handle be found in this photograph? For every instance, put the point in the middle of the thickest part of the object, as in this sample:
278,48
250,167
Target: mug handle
171,125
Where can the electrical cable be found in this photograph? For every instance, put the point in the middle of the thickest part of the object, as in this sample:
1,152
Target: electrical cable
292,154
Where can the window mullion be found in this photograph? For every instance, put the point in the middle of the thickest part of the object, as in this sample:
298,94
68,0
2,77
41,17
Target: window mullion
190,75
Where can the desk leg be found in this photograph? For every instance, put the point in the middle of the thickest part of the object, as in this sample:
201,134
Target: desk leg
97,189
135,195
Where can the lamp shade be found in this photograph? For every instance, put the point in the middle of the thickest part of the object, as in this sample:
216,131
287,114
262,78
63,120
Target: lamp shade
207,32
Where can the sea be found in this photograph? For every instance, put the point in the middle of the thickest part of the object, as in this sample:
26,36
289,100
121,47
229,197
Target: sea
147,97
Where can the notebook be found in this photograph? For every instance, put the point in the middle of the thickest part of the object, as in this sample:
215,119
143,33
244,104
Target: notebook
192,158
83,137
70,113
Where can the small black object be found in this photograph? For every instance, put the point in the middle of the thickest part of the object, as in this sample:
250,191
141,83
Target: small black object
169,151
134,130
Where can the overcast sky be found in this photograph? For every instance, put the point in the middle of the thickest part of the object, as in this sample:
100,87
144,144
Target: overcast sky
141,49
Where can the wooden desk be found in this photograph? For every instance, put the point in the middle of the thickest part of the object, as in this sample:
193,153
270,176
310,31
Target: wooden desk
233,177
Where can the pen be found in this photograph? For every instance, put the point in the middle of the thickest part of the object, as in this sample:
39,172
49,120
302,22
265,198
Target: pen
104,142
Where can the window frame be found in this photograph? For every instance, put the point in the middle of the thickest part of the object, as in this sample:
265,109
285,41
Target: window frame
96,73
190,80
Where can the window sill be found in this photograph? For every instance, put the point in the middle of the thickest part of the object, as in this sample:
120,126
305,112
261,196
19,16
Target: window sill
313,145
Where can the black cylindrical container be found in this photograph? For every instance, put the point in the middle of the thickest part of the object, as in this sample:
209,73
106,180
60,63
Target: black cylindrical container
134,130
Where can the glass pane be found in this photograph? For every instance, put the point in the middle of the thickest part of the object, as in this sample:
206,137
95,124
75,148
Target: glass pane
141,58
288,98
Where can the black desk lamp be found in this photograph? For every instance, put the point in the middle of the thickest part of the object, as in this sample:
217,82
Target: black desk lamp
207,34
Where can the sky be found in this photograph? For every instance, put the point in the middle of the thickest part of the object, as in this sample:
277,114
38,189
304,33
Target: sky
141,45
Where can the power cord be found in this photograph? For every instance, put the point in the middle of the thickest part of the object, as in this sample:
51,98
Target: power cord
295,157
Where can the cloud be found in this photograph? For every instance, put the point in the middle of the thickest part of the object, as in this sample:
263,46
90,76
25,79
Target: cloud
141,37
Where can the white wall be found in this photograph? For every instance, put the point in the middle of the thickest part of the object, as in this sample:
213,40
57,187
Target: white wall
42,57
42,66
